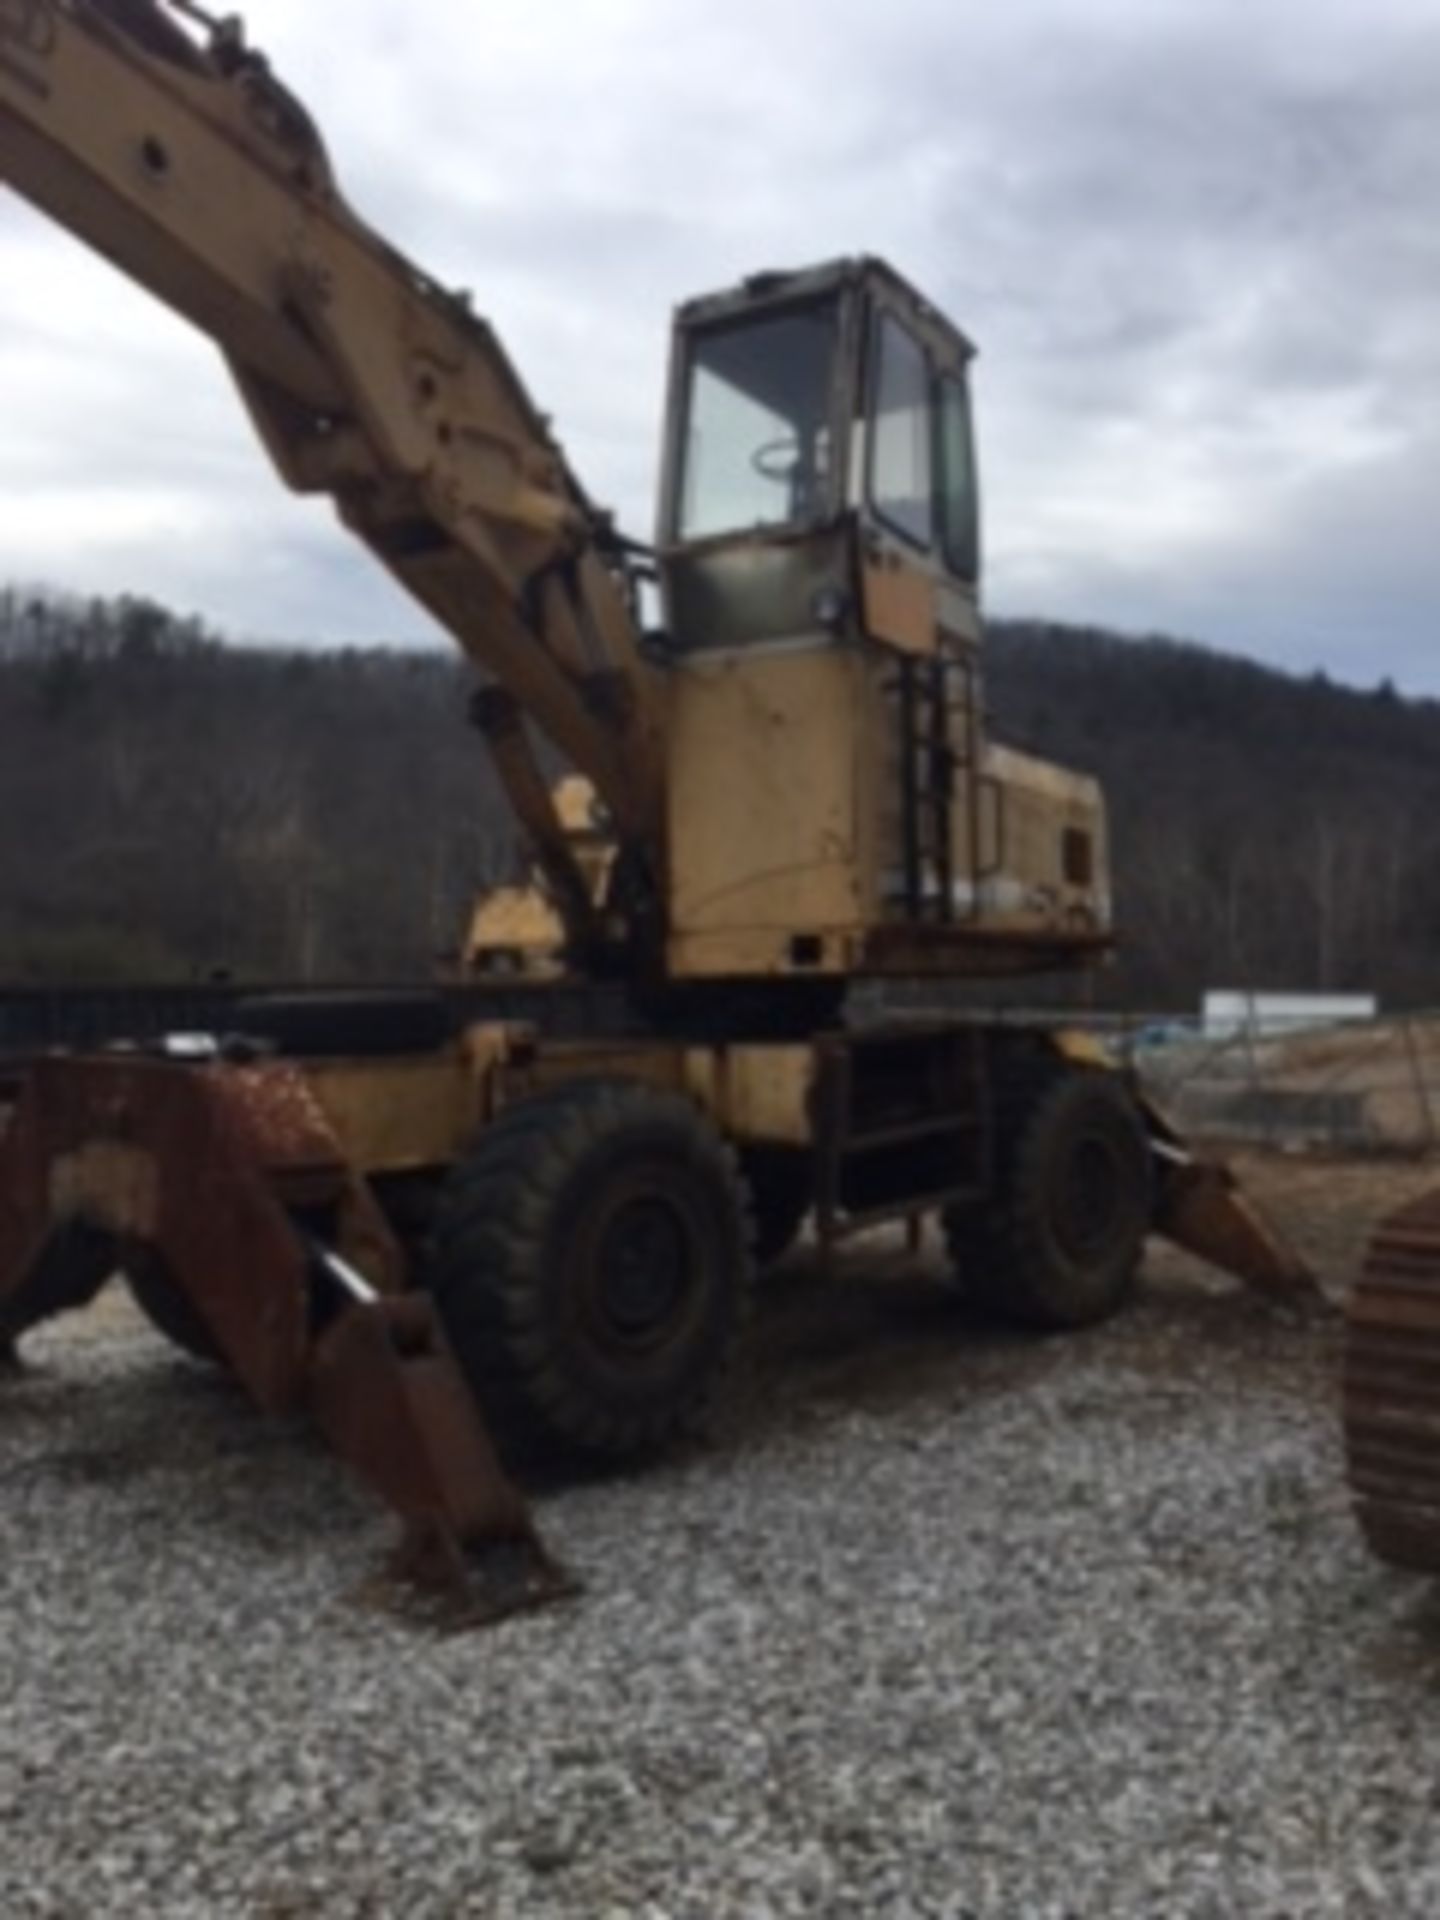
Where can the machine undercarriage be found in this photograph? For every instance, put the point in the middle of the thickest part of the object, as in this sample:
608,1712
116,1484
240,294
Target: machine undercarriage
560,1239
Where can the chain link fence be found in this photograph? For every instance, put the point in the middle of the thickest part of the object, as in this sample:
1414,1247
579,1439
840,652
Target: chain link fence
1369,1086
1357,1087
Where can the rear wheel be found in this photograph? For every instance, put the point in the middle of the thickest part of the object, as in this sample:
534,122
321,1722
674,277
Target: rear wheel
591,1262
1059,1242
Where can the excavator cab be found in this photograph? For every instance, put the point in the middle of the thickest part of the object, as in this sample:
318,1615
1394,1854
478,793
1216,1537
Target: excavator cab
821,476
820,567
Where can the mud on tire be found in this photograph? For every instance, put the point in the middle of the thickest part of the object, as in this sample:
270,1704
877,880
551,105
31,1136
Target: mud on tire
591,1262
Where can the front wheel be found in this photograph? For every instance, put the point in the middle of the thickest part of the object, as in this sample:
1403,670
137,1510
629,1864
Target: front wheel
1058,1244
591,1262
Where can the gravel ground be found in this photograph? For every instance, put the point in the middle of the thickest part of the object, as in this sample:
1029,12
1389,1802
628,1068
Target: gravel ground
941,1623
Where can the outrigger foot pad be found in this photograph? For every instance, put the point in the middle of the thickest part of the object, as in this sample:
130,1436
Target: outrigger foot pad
201,1174
392,1402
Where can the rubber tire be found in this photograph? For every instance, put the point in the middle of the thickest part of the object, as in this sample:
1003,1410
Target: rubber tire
168,1310
1010,1255
781,1188
512,1298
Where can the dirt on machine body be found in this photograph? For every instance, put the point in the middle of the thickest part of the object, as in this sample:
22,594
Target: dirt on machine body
432,1228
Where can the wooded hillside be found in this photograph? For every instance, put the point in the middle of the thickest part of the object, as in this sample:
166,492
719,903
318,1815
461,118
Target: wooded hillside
170,805
1268,831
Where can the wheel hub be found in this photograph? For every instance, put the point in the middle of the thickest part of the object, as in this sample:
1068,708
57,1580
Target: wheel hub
644,1268
1090,1198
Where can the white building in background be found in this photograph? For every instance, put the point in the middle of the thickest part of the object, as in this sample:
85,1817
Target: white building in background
1227,1015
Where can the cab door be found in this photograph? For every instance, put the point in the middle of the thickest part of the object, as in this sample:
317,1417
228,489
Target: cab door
919,579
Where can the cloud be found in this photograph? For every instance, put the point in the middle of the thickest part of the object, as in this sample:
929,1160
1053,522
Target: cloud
1196,243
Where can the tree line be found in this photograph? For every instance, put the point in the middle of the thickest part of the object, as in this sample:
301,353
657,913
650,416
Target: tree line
1268,831
171,806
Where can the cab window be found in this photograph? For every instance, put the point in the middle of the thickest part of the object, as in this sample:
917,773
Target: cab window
758,449
959,490
901,468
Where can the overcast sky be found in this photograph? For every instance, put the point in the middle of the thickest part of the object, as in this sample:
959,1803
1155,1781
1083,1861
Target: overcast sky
1198,242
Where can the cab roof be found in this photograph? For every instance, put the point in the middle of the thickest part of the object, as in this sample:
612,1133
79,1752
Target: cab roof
781,288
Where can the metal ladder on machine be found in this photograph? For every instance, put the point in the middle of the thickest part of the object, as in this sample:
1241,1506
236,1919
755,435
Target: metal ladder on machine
934,690
883,1158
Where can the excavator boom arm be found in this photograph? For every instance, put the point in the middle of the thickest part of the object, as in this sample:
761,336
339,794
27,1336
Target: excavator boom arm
189,166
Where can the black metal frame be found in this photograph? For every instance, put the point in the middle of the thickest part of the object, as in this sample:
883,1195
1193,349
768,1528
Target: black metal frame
903,1124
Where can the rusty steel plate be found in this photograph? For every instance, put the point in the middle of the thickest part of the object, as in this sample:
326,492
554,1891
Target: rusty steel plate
1392,1389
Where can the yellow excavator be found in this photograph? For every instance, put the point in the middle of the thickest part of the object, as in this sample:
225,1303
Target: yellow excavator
458,1238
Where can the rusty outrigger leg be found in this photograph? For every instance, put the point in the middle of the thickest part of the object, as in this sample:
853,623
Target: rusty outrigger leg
1202,1208
203,1173
389,1396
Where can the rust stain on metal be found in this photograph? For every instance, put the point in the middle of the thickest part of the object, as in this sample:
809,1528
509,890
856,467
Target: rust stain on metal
390,1398
172,1156
1203,1209
107,1183
276,1106
1392,1389
194,1169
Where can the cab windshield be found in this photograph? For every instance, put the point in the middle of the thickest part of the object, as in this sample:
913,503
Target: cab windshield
759,446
